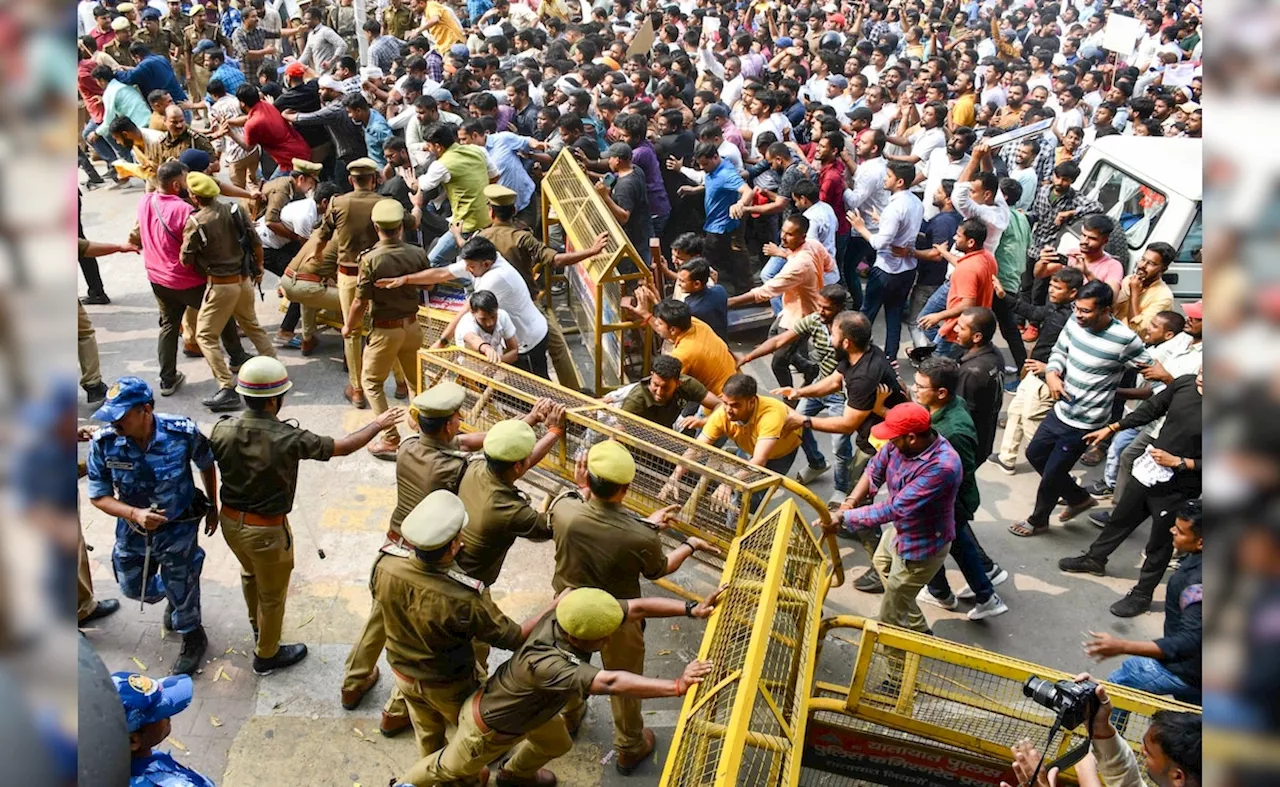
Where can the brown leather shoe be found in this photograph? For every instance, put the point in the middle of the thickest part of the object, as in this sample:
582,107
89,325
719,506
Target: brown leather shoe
402,391
627,763
192,350
309,345
356,397
391,726
543,778
351,698
384,449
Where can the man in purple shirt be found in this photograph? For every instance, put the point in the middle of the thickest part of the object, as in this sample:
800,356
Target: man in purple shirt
923,473
645,159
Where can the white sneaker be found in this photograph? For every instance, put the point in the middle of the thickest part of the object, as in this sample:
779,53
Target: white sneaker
811,474
997,575
988,609
925,597
965,593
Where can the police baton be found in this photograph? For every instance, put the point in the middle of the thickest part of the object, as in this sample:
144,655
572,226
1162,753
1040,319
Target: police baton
146,571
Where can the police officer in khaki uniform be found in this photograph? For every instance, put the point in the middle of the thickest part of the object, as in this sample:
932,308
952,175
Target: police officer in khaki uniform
199,30
277,193
396,335
397,20
599,544
258,455
434,459
310,283
433,613
518,708
349,224
211,244
118,49
159,39
518,245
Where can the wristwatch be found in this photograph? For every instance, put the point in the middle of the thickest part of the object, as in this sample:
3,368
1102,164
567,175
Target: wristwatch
808,422
688,608
1182,463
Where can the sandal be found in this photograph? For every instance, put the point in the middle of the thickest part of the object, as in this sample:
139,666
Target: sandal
1024,530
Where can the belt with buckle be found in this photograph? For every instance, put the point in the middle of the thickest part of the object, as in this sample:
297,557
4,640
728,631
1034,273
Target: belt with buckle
397,323
226,279
296,276
255,520
349,270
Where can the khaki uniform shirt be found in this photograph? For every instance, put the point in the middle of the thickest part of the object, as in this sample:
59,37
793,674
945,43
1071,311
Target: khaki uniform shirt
304,260
432,615
163,43
397,22
119,51
388,259
349,222
539,679
423,465
258,456
212,32
520,248
599,545
211,239
275,195
497,515
172,147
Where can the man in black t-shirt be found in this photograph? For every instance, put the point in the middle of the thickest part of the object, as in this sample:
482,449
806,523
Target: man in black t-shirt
628,198
862,371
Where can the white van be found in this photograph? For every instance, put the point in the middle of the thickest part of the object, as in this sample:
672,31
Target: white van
1151,188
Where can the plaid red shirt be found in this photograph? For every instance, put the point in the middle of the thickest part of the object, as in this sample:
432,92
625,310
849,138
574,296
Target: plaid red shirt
922,498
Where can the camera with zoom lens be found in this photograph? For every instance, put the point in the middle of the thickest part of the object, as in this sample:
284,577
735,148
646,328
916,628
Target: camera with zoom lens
1074,703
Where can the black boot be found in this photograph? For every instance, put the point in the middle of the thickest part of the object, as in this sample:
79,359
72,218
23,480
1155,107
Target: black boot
224,401
167,622
193,645
104,608
96,393
286,656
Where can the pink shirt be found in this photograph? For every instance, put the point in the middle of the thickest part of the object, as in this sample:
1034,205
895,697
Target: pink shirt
1106,268
798,282
161,219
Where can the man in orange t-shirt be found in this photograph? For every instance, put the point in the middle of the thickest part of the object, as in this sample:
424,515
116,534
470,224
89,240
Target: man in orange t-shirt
972,284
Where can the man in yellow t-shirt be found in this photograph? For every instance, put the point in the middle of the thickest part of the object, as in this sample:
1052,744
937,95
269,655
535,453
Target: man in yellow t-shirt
443,26
756,424
703,355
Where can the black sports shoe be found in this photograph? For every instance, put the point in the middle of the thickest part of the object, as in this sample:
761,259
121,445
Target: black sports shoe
1083,564
869,582
1131,606
224,401
95,299
96,393
286,656
1099,488
1101,518
193,645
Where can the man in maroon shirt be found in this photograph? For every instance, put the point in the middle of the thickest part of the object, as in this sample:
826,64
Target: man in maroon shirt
831,177
264,125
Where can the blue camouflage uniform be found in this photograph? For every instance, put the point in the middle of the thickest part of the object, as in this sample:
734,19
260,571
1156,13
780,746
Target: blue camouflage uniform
159,478
146,701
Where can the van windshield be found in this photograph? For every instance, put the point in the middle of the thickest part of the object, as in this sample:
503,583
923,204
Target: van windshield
1134,206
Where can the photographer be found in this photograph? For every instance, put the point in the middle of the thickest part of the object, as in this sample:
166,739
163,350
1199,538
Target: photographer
1170,749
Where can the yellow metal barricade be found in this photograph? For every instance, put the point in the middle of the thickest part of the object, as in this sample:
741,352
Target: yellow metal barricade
497,392
619,346
745,723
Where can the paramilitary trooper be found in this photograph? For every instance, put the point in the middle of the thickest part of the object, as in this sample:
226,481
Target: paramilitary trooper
518,710
259,454
434,614
434,459
139,471
599,544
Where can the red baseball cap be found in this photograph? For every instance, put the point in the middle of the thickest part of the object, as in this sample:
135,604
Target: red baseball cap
904,419
1194,310
294,69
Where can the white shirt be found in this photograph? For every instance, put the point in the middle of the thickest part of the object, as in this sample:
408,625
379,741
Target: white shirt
940,168
995,95
300,216
503,330
438,175
884,119
996,216
841,104
84,16
512,292
822,226
924,142
1069,118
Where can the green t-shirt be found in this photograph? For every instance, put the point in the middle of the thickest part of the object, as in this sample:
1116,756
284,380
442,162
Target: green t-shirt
954,423
1011,253
640,401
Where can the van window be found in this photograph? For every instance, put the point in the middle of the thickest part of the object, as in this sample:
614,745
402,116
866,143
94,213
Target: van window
1193,240
1133,205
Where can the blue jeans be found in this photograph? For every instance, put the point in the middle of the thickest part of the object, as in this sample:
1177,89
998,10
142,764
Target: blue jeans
1053,451
105,146
442,251
771,269
966,552
938,302
1118,443
1147,674
891,291
833,403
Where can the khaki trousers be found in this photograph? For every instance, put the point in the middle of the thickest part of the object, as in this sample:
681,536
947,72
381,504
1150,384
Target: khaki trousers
85,602
558,349
352,347
87,349
221,303
623,651
902,581
365,653
1031,403
470,750
246,169
189,325
434,711
387,346
266,562
313,297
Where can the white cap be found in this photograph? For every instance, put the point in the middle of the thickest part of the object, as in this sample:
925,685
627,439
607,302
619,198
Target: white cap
328,82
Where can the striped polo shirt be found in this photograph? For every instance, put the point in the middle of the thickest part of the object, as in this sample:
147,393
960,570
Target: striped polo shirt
1091,364
820,349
